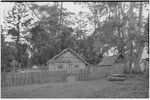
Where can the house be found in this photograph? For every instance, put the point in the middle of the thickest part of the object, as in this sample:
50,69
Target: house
67,60
109,61
114,63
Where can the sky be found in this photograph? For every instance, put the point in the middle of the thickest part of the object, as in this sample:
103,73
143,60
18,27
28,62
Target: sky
70,6
5,6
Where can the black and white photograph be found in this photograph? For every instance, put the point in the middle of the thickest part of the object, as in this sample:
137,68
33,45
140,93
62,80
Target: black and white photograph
74,49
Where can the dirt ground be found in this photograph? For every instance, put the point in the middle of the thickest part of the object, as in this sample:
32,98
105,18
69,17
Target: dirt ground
133,87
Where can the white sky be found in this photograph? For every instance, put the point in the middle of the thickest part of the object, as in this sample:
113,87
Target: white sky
75,8
5,6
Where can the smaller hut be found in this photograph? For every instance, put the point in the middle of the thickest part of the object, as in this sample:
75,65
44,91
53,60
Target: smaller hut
115,63
109,61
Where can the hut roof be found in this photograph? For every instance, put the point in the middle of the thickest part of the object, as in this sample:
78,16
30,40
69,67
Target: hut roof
109,60
64,51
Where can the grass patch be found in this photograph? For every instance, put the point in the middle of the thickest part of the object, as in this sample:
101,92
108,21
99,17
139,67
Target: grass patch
132,87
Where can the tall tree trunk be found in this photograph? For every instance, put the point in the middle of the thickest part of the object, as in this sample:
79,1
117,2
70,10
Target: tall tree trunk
109,12
138,58
131,44
61,22
140,14
17,46
61,19
121,48
140,45
18,37
95,17
131,55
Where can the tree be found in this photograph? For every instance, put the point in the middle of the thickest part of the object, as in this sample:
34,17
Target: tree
122,32
141,40
50,35
110,31
7,51
98,10
16,22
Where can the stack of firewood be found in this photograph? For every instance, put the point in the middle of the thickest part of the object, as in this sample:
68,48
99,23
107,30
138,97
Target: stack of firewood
116,77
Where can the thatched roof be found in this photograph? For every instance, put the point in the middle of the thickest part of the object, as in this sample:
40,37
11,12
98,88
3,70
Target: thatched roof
109,60
53,60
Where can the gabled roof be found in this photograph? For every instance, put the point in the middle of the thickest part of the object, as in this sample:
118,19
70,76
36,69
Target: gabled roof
109,60
64,51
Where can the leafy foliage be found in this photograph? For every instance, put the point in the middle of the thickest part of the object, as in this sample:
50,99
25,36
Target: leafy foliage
16,21
58,29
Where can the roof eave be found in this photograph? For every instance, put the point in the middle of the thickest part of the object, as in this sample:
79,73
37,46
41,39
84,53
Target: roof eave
65,50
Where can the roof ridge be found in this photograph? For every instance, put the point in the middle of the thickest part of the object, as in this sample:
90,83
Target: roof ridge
79,56
69,49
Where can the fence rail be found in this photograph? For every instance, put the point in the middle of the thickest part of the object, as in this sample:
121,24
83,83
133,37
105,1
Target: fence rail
14,79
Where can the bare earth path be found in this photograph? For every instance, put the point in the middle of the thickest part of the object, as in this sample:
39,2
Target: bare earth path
131,88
